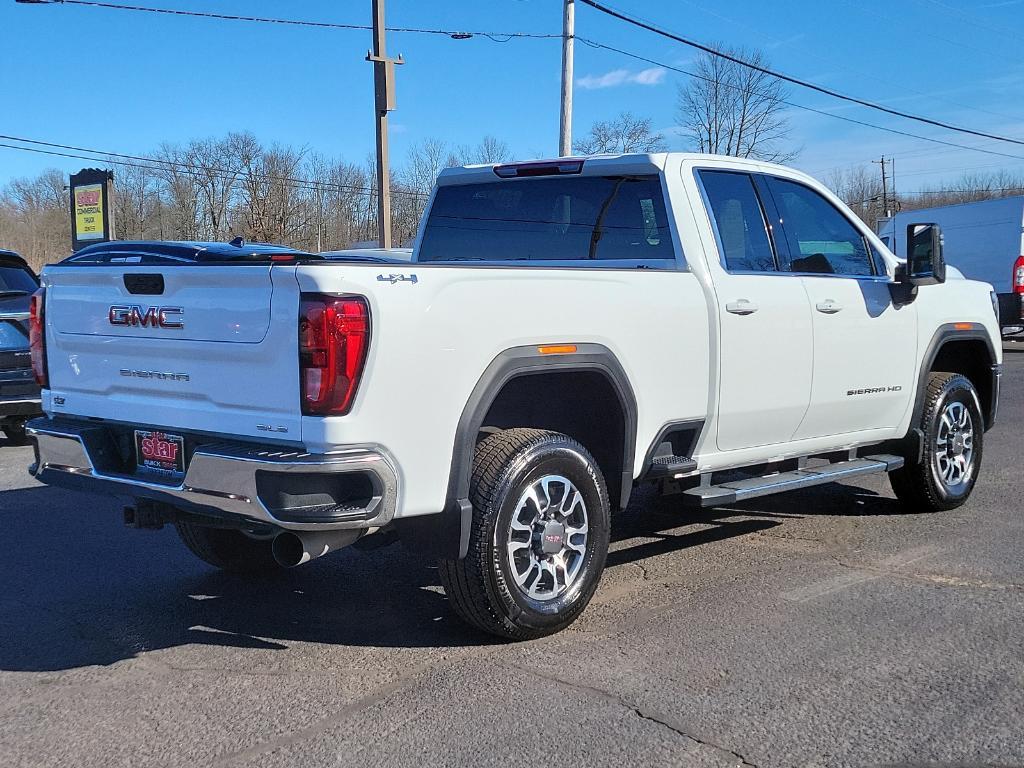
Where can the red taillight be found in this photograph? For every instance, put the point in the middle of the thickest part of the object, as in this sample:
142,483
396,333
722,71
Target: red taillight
334,334
1018,275
37,336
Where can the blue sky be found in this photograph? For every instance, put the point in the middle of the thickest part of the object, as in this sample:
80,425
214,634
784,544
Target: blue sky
126,82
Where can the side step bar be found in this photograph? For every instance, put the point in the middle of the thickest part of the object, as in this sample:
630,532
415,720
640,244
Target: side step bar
670,467
751,488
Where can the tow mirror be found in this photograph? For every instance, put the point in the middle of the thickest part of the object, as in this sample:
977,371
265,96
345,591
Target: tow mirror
925,262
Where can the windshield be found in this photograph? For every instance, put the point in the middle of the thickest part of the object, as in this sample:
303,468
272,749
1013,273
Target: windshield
16,280
551,219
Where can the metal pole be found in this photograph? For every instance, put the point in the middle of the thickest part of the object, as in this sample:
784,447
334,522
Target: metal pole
384,102
568,39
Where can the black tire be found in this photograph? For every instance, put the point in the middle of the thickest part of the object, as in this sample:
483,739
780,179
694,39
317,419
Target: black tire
483,587
229,550
924,486
15,432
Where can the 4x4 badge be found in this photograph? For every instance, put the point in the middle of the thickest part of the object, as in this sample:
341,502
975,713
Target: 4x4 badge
398,279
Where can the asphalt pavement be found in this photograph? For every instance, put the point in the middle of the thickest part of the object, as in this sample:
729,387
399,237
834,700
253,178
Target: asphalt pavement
824,627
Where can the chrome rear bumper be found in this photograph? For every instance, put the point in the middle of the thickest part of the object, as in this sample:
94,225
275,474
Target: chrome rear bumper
231,479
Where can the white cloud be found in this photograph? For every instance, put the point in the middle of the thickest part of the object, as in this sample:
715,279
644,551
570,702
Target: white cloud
650,76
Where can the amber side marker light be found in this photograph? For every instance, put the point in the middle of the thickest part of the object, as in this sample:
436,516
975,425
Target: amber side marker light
964,326
557,349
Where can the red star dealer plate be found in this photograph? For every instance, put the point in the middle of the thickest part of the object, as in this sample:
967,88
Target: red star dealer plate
160,451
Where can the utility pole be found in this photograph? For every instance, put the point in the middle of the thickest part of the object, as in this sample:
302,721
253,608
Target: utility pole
568,39
885,188
384,102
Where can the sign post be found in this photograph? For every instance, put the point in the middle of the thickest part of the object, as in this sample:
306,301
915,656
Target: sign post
92,210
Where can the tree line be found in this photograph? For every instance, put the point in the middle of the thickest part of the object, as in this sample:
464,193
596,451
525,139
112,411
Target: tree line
232,186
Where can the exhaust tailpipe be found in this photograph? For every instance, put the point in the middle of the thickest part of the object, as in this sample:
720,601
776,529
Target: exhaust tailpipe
291,548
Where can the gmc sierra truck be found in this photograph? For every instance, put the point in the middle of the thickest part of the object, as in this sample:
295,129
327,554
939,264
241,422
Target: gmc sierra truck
564,331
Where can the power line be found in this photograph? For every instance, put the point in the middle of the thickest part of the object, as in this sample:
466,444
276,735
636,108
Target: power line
638,57
971,19
154,164
498,37
790,79
825,60
909,195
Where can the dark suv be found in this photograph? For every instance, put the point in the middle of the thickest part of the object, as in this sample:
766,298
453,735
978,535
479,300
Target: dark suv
19,394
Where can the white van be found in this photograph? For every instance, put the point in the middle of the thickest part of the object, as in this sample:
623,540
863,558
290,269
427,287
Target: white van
984,240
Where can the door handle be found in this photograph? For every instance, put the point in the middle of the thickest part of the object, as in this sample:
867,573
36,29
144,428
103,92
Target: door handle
741,307
829,306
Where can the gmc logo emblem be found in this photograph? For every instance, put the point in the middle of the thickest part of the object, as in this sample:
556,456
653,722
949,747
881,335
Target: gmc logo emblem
151,317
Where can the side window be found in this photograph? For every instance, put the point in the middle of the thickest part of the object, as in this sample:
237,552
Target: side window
738,217
821,239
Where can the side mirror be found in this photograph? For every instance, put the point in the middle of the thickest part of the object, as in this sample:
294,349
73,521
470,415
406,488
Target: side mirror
925,263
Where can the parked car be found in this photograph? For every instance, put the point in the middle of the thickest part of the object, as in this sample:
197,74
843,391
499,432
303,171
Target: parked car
19,393
985,241
565,330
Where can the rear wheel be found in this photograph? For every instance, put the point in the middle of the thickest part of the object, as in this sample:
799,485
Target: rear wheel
539,537
229,549
15,431
954,432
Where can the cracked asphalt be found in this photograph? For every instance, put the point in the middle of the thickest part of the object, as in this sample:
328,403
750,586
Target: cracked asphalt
825,627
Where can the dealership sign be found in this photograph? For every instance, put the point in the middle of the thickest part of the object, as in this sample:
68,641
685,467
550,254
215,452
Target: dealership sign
92,218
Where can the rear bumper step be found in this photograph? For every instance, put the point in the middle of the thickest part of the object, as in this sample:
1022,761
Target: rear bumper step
751,488
291,489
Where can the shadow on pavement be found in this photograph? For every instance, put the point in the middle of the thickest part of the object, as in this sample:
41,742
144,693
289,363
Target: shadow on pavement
78,589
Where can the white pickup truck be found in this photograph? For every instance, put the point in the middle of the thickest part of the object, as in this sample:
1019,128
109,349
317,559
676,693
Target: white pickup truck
565,330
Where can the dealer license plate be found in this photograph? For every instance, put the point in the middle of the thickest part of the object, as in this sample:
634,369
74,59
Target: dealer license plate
160,452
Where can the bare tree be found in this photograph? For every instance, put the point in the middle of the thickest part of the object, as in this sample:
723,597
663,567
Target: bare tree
217,188
489,150
425,161
971,187
35,216
730,109
625,133
861,189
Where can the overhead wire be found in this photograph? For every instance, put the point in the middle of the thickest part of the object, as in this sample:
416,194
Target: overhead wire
640,23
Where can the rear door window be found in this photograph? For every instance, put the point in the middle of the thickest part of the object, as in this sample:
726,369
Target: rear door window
580,218
821,239
739,221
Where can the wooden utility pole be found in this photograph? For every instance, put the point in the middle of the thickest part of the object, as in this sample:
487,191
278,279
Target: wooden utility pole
384,102
568,39
885,188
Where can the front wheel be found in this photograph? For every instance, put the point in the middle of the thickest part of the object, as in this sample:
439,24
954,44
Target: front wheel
954,433
539,537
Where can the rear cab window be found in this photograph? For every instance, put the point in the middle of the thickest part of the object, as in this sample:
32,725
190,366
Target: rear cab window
584,219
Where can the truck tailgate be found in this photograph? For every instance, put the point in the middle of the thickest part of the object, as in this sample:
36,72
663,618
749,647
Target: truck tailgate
216,350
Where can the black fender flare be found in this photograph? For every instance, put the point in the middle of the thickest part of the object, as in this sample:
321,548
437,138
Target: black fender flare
453,538
951,332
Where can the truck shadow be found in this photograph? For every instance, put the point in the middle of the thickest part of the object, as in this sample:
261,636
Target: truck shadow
78,589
